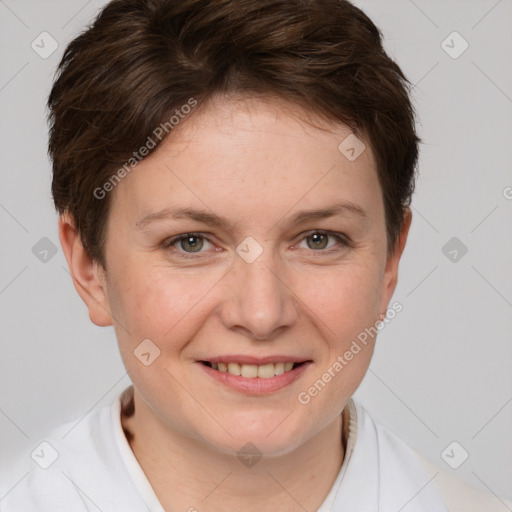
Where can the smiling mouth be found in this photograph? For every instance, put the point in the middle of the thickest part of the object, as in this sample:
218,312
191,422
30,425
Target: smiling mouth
252,371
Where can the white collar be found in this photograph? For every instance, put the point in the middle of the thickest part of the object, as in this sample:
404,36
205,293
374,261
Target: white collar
132,464
379,471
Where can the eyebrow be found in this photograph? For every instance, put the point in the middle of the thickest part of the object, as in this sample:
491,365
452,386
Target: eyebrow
344,208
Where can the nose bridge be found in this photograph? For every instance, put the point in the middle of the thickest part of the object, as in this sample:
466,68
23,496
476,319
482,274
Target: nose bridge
260,302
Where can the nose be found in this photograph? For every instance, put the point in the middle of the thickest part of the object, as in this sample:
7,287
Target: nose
261,303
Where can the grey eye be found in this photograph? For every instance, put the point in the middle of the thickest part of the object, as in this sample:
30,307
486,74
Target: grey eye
318,241
192,243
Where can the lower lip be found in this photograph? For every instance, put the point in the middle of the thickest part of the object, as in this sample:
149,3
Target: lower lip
256,385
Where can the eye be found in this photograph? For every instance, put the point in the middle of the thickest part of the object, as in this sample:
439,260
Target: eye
319,240
191,245
187,243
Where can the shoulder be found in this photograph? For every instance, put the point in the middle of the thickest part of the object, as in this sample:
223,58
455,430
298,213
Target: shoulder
39,490
456,494
45,474
459,495
77,466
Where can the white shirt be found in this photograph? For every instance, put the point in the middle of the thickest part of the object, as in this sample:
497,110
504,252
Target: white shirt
96,470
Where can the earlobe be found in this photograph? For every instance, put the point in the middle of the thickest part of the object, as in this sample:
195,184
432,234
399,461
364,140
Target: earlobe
88,276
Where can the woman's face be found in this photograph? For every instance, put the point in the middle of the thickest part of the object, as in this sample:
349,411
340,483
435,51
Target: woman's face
283,260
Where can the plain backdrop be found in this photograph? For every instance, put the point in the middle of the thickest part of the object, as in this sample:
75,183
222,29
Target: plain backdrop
442,368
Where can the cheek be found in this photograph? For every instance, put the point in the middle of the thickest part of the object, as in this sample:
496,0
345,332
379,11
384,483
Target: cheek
344,298
156,301
343,304
151,301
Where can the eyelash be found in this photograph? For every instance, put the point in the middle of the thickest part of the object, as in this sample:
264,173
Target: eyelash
339,237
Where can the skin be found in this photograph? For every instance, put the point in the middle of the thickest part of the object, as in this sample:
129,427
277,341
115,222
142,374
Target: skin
257,163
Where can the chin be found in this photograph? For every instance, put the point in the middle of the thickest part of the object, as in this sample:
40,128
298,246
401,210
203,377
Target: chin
269,436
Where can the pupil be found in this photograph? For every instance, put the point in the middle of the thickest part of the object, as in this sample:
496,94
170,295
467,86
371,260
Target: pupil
316,238
193,243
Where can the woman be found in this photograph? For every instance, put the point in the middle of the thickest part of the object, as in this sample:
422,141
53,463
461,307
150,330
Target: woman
233,181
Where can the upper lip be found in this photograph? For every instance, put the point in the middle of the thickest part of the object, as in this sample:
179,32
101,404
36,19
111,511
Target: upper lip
246,359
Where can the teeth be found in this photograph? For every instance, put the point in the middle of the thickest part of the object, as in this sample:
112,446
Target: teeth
251,371
234,368
279,368
265,371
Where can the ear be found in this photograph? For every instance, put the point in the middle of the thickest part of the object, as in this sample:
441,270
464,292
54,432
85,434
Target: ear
88,276
393,259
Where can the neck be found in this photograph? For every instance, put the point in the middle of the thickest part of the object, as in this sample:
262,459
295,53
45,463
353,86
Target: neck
187,474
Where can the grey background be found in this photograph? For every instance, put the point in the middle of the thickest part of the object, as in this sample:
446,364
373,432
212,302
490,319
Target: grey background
442,367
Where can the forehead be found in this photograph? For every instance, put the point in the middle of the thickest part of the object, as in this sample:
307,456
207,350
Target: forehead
251,158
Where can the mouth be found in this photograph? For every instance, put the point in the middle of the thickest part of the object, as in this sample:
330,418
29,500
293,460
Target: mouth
252,371
243,376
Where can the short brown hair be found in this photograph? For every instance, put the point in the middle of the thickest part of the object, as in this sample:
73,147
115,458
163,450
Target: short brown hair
141,60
